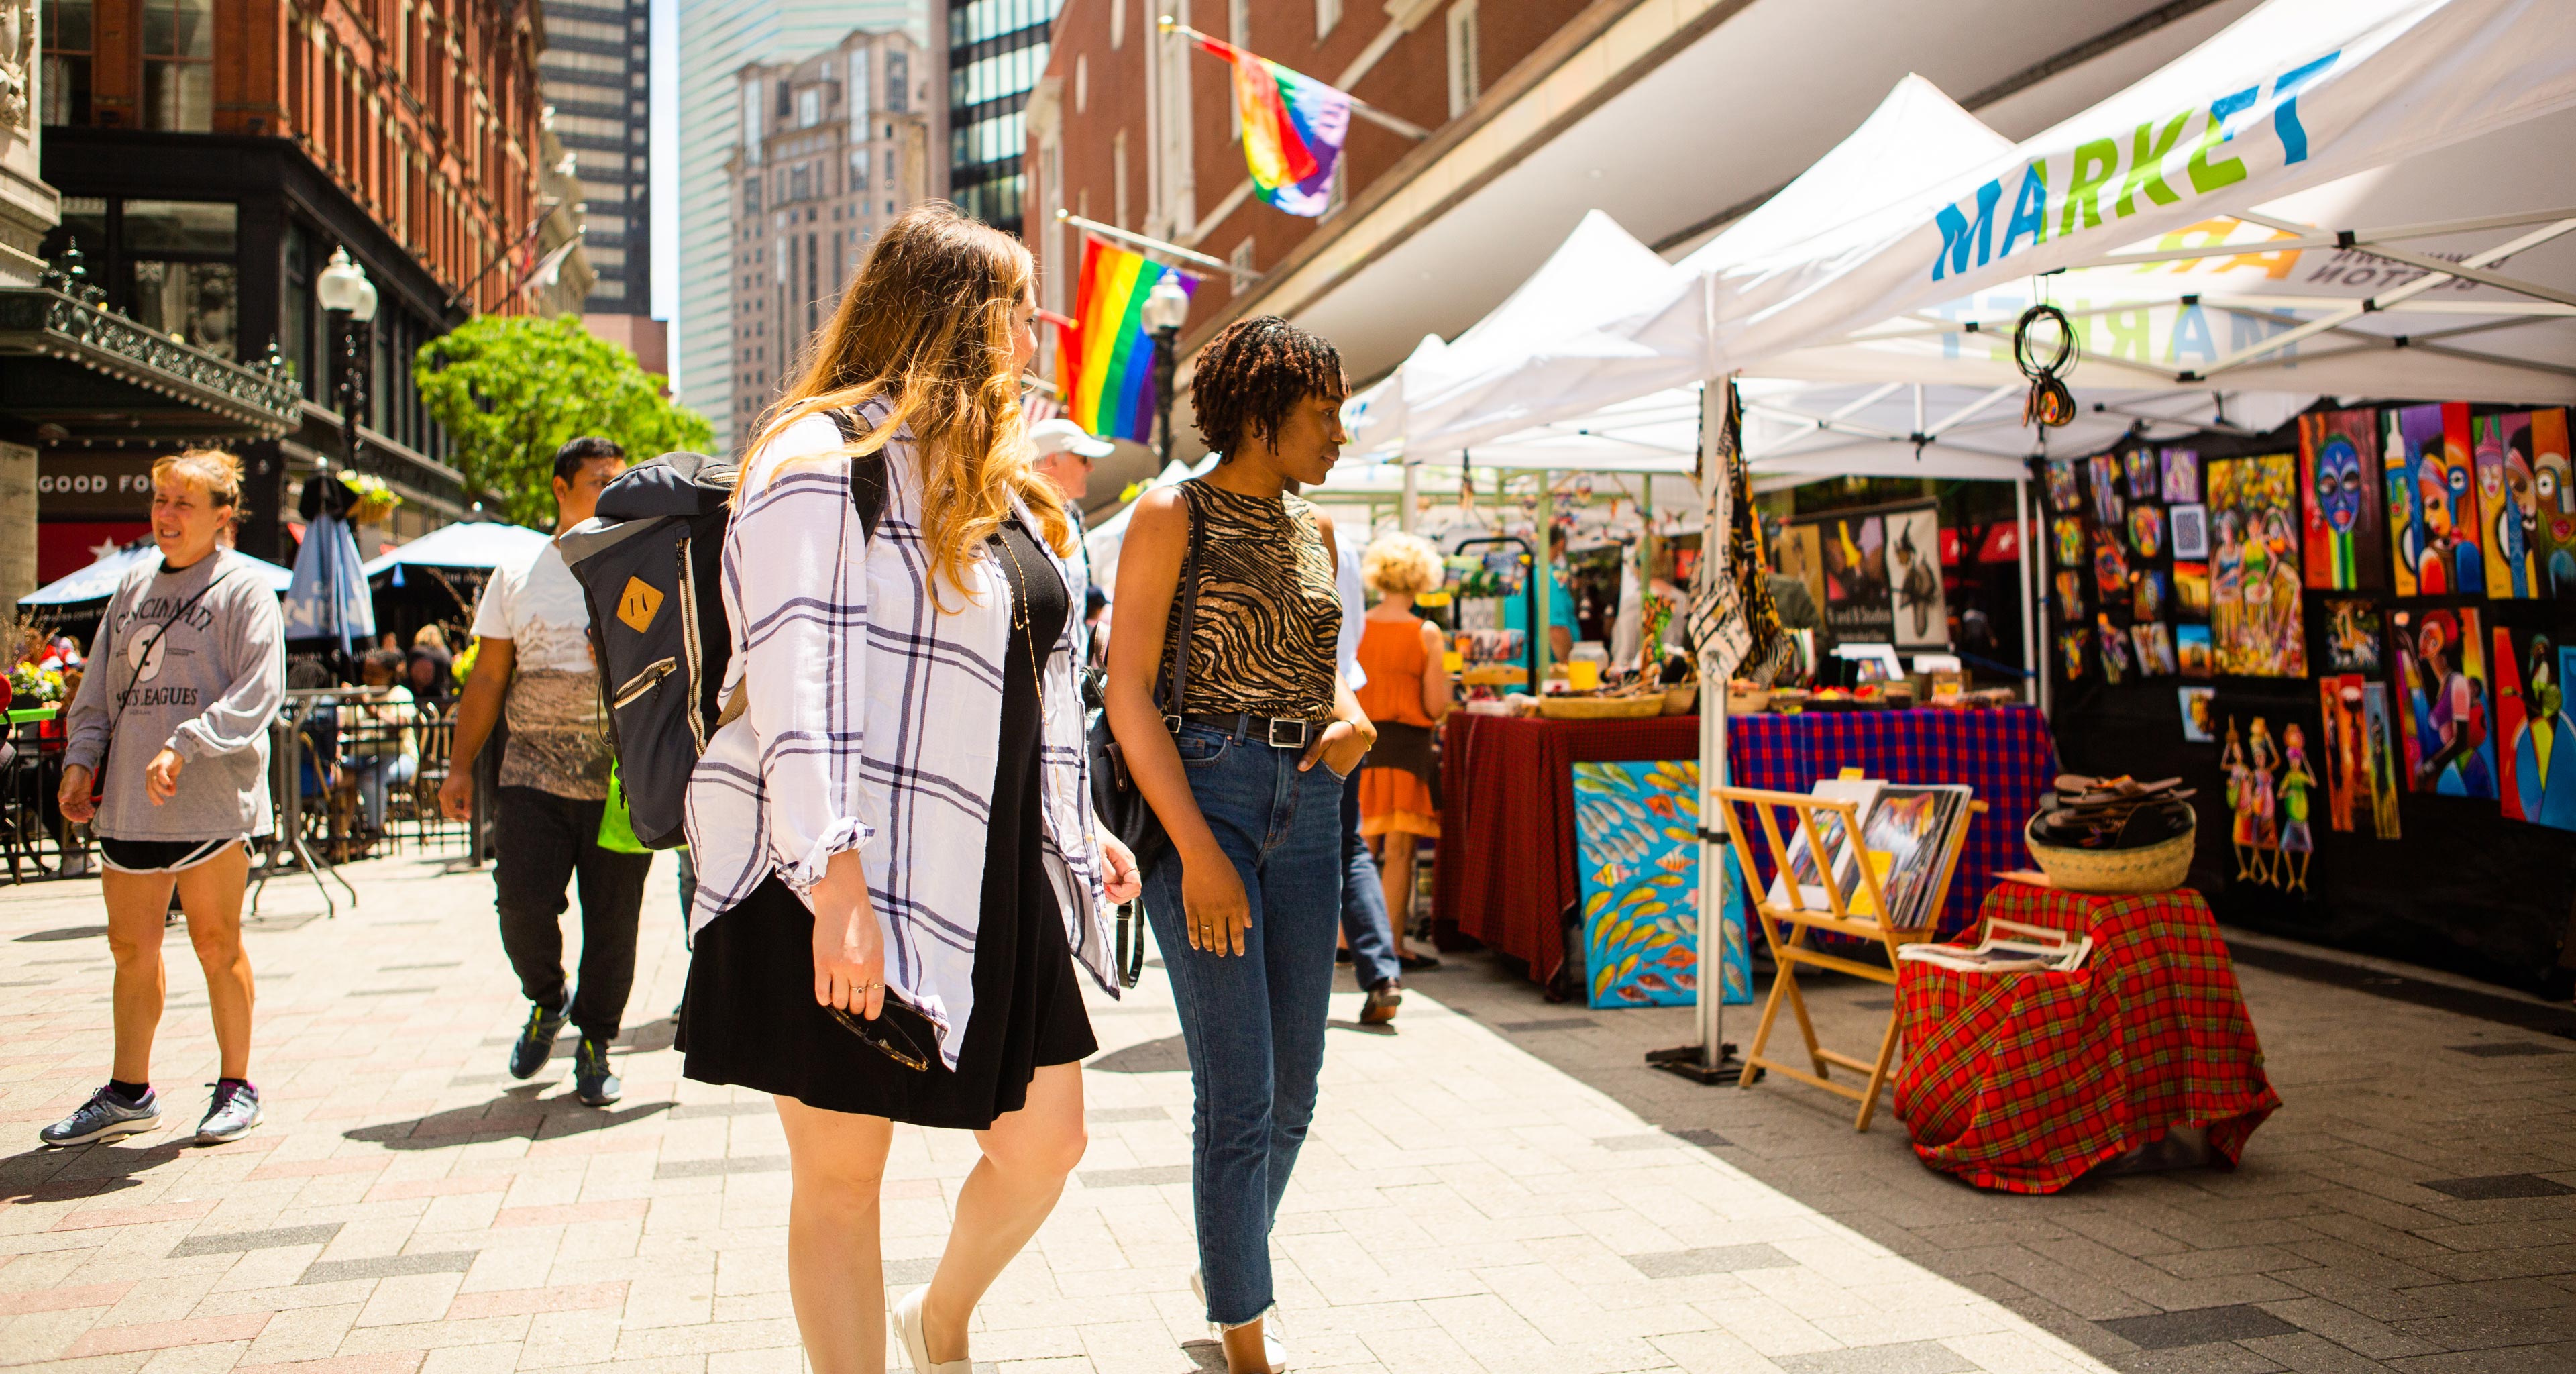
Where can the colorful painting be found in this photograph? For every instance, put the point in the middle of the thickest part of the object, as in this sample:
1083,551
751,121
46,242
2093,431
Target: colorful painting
2502,456
2147,595
2191,652
2069,532
1856,605
2191,531
2199,715
2433,533
2553,486
2182,475
1800,549
1914,578
2147,530
2379,740
2155,646
2063,497
1635,841
2115,650
2340,498
2254,608
2071,643
2535,736
2252,765
2110,565
1907,838
2447,715
2352,637
2341,743
2070,596
2191,588
2104,471
2141,463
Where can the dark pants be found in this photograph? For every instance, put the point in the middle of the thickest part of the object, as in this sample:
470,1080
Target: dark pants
543,841
1364,923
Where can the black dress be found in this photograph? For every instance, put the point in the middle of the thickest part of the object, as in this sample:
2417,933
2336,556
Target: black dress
750,1017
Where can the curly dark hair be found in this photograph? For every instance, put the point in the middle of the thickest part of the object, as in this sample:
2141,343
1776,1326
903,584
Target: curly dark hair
1251,375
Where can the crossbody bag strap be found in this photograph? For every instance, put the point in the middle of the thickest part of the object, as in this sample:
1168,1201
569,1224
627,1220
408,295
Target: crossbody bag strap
139,660
1175,705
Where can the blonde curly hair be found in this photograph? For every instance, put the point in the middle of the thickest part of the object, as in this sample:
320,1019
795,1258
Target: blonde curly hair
1406,563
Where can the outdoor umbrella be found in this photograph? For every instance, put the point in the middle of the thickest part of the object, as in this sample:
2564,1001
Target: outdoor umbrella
328,599
99,580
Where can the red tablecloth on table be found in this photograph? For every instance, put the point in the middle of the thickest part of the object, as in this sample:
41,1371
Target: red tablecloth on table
2024,1081
1505,867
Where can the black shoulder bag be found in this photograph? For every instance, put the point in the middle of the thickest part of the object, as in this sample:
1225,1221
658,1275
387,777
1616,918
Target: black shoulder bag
1115,798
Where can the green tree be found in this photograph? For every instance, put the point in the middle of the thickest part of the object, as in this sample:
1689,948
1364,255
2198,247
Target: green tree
511,390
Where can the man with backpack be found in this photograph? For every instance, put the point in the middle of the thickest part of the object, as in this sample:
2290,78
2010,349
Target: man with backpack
535,664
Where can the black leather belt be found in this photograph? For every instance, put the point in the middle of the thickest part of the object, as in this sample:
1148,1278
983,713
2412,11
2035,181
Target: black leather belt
1279,732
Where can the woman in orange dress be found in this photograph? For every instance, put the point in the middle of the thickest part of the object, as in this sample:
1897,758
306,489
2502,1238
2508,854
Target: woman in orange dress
1406,695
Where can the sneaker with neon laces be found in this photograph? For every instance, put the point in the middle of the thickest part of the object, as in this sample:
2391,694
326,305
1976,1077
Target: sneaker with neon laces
104,1116
536,1042
591,1080
231,1113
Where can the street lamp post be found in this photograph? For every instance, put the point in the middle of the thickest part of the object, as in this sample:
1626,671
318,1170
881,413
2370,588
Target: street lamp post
350,299
1166,308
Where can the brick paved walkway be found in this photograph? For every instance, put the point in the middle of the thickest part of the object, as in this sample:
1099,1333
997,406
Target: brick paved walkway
1471,1199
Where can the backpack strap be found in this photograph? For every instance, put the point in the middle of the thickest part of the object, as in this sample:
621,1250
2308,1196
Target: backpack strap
867,475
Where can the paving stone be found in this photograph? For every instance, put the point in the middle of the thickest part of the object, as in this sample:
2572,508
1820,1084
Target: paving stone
2197,1326
2495,1186
1715,1259
1910,1357
1136,1178
716,1168
388,1266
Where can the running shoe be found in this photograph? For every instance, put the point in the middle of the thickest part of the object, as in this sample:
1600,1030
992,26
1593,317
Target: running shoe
536,1043
1382,1002
105,1115
591,1080
230,1115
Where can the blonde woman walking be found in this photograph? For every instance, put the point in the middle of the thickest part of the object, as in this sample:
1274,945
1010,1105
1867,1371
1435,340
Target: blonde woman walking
1407,694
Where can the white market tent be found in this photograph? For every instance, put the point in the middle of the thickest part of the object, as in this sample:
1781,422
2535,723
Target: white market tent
99,580
465,544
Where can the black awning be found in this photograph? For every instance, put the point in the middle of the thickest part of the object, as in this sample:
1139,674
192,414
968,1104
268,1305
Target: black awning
76,372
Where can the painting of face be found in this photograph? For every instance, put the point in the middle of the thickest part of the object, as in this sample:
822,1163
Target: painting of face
2535,738
2070,541
2340,498
2142,466
2197,714
2435,537
2062,494
2447,713
2503,458
2147,594
2553,501
2110,566
2147,530
2182,474
2104,471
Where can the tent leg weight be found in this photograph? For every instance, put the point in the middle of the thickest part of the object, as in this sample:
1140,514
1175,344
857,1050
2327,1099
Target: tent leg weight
1684,1060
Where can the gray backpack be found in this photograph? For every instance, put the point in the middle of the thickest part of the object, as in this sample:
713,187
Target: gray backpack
651,566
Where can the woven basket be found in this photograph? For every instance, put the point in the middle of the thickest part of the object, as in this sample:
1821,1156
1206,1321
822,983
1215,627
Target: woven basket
1600,708
2159,867
1682,700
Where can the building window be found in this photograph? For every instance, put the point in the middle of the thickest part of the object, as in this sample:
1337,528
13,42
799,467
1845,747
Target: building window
898,79
67,59
179,65
1462,57
184,281
809,107
858,169
1118,23
1081,83
800,184
751,195
1328,14
1241,260
1118,176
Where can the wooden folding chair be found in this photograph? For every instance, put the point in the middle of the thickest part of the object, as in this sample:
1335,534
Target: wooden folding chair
1792,950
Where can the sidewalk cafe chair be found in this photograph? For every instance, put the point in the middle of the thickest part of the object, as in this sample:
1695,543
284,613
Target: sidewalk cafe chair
1786,927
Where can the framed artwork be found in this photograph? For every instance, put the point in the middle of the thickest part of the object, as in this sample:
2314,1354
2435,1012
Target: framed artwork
2063,496
2340,498
2446,708
2502,455
2115,650
2191,588
2147,530
2191,531
2379,743
2155,646
2147,594
2182,474
2104,471
2069,533
2433,521
1856,604
2110,566
1914,578
1801,551
2191,651
2070,596
2340,748
1641,889
2553,535
2071,643
2535,736
2254,608
2199,724
2142,465
2352,637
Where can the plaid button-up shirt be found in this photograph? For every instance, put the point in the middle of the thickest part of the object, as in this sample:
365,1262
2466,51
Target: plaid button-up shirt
872,721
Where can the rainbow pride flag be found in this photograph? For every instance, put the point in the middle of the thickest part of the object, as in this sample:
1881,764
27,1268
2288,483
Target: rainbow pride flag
1106,361
1293,127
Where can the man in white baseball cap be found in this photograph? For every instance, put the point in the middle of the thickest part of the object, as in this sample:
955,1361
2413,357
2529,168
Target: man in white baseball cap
1065,454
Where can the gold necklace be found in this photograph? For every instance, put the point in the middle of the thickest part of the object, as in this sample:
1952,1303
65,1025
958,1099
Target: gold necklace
1021,622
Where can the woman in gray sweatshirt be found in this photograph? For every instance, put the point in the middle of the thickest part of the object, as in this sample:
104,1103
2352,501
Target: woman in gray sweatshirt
186,674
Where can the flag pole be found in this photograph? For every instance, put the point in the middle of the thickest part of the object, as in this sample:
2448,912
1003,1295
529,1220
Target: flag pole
1155,245
1362,108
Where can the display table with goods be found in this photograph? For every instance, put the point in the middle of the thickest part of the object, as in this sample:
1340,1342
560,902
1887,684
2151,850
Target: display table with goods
2026,1078
1506,867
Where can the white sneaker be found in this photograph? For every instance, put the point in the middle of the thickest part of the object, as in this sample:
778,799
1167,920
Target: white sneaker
906,1316
1273,1349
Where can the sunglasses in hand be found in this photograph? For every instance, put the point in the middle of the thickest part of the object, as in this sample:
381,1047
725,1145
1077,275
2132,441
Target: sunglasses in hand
900,1032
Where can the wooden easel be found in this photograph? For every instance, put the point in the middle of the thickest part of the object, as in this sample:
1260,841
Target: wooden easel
1787,953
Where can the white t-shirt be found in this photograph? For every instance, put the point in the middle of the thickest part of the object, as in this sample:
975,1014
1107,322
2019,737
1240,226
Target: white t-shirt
558,728
538,608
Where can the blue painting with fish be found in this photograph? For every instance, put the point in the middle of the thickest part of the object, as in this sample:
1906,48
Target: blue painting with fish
1637,844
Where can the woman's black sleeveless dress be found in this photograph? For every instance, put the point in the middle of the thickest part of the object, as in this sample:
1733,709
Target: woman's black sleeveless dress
750,1017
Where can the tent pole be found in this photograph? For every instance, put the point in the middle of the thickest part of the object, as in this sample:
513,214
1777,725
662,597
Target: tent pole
2021,558
1714,547
1542,567
1404,514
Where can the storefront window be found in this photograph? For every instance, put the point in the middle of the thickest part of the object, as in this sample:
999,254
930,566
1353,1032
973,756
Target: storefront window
67,59
178,65
197,301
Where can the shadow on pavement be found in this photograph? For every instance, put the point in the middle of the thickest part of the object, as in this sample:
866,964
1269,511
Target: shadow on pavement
518,1113
61,1175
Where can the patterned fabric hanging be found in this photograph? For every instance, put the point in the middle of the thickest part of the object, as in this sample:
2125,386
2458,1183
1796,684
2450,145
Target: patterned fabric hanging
1732,618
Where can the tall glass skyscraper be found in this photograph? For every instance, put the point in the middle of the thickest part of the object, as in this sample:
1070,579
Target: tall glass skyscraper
997,49
593,72
717,39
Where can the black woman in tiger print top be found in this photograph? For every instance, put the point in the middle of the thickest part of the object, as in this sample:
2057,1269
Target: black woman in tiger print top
1269,614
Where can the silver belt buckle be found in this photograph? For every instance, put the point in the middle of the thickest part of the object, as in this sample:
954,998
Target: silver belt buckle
1280,727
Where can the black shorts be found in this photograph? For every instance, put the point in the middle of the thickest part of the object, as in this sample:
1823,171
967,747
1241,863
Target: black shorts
162,856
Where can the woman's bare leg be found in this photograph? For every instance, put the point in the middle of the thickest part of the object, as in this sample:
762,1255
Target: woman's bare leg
1027,1155
835,1262
137,906
1395,870
211,893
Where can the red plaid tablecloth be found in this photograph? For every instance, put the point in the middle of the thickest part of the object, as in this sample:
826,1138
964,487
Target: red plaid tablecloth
2024,1081
1504,871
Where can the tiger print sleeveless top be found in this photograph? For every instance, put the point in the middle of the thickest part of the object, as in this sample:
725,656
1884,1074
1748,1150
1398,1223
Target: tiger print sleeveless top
1269,615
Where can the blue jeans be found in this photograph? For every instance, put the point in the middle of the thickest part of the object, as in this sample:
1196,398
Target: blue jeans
1364,923
1254,1022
